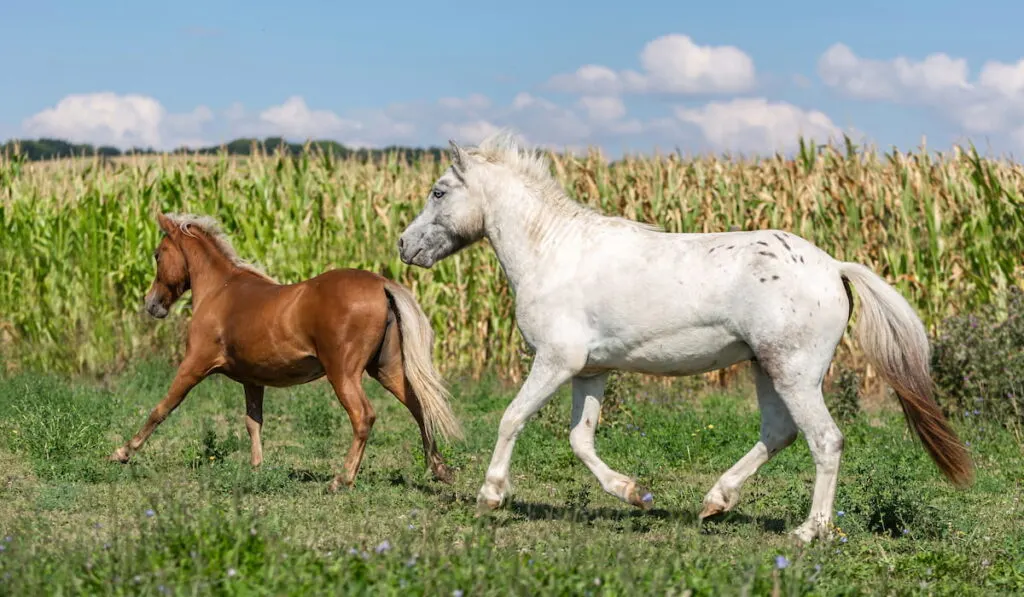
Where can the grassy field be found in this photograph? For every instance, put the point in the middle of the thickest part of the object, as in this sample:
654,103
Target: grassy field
77,236
189,516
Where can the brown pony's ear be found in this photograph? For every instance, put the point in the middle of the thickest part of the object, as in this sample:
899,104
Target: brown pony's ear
165,224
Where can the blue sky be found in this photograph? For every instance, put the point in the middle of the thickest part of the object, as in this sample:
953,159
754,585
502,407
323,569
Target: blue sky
722,76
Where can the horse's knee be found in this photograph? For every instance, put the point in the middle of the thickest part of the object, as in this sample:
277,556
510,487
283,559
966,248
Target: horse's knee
827,445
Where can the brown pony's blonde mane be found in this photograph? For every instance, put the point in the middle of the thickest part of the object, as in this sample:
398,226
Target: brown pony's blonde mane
212,229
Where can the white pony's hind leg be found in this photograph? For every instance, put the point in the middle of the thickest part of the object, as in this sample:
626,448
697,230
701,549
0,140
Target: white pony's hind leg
806,405
546,375
587,395
777,432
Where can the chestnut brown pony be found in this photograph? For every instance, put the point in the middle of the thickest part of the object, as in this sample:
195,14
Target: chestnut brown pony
260,333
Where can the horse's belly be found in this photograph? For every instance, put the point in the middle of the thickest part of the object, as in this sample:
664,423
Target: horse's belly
276,374
684,353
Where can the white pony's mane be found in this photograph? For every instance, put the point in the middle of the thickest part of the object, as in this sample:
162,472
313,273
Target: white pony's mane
212,228
503,148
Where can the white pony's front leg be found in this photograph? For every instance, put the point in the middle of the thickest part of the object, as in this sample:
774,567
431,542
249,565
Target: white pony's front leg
587,395
546,375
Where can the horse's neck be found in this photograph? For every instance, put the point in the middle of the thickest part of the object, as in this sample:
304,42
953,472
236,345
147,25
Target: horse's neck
525,231
208,268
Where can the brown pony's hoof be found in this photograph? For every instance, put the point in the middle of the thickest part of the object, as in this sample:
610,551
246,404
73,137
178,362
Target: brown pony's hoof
339,485
120,455
641,497
442,474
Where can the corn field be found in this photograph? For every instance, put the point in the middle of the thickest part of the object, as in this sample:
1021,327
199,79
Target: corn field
76,236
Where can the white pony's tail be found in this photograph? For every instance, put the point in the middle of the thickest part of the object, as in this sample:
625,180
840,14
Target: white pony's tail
417,360
896,343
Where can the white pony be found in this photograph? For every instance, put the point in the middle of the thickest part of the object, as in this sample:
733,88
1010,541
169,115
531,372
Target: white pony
595,293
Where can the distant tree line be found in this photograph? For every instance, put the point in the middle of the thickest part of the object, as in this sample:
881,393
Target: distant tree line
49,149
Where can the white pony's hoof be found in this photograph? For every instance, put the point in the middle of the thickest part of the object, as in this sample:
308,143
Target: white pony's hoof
639,496
715,502
488,499
808,532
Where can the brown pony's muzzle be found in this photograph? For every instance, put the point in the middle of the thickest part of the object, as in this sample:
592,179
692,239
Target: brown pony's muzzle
155,307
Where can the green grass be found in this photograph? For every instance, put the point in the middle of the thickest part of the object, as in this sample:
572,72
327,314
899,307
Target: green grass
189,516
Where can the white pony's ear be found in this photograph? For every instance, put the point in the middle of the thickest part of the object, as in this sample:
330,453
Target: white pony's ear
458,155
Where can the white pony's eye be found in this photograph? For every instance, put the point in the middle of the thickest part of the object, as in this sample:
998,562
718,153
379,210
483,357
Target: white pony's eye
438,193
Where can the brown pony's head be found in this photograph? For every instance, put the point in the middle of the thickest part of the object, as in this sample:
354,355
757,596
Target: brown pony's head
172,279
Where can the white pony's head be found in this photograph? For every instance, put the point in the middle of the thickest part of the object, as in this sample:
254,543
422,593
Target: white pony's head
451,219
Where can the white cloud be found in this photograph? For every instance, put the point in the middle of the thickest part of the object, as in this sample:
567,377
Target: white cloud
899,79
602,109
293,119
474,102
468,132
672,64
119,120
991,103
126,121
757,125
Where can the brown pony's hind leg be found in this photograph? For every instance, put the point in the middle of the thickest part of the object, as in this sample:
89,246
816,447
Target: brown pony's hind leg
349,389
190,373
254,420
388,370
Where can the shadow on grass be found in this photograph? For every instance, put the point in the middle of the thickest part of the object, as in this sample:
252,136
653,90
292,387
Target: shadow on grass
533,511
307,476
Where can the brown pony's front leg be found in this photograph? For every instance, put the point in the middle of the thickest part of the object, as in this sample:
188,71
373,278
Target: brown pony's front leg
254,420
191,372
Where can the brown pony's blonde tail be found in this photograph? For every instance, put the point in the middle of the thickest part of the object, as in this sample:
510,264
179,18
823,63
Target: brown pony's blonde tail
896,344
417,358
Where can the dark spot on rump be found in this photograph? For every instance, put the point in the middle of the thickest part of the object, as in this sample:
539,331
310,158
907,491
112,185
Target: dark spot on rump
762,280
711,250
761,242
801,259
768,254
588,423
731,247
775,277
783,241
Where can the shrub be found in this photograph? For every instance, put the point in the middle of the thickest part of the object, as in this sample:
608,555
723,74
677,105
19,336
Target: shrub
978,362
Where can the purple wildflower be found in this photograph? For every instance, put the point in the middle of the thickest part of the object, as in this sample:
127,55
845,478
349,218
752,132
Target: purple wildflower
384,546
781,562
150,513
